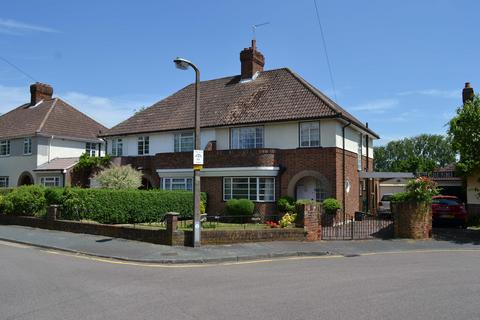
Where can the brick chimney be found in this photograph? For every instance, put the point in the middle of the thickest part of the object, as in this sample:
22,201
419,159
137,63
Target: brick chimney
40,91
467,93
252,61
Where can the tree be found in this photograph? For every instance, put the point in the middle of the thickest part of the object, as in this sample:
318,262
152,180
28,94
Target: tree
423,153
119,177
464,131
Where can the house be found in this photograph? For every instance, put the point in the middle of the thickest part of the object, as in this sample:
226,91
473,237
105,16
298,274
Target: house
266,134
41,141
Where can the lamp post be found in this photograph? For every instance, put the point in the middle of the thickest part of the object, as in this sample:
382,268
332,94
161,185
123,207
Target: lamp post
184,64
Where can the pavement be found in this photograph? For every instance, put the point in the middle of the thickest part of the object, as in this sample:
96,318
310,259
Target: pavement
121,249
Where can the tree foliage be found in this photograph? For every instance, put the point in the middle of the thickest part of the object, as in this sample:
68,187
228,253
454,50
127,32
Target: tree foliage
423,153
464,131
119,177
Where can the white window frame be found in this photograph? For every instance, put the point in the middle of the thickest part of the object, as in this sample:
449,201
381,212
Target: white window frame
117,147
4,182
5,145
359,153
143,145
170,182
27,146
51,181
310,129
256,196
179,143
236,137
91,149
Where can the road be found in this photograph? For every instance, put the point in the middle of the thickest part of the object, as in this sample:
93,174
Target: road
42,284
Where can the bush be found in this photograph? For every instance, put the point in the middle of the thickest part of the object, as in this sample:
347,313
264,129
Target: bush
54,195
419,190
119,177
2,204
239,207
5,191
305,201
474,220
122,206
331,205
286,204
26,201
287,220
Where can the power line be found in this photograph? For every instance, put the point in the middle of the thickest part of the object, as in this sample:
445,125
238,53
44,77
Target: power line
18,68
326,51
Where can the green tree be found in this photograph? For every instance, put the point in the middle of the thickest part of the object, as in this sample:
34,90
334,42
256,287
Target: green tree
119,177
423,153
464,131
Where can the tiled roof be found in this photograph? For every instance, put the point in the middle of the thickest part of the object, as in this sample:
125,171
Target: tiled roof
50,117
275,95
57,164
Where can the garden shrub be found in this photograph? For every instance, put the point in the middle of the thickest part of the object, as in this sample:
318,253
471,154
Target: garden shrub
119,177
5,191
239,207
418,190
305,201
26,201
2,204
286,204
54,195
331,205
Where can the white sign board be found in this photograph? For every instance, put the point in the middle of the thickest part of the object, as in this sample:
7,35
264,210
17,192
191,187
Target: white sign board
198,157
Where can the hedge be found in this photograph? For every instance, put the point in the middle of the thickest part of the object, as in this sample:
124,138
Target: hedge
103,205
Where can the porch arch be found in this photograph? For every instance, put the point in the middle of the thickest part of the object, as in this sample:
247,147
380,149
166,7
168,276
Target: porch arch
308,173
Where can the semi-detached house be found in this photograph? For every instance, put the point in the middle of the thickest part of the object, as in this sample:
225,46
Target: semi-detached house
41,141
266,134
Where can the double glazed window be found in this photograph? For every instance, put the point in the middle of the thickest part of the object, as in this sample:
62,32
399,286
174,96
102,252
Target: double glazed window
246,138
254,188
4,147
3,182
27,146
309,134
50,181
143,145
183,141
91,149
177,184
117,147
359,153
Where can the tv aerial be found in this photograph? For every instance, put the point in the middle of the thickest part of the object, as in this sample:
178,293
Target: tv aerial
255,26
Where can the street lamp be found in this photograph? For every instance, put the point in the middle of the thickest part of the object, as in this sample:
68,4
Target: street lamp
184,64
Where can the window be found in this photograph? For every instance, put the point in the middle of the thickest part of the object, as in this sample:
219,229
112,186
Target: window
359,153
253,188
143,145
183,141
91,149
50,181
177,184
27,146
247,138
309,134
320,192
4,147
117,147
3,182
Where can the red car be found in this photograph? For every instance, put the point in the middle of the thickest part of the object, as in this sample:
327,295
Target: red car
449,209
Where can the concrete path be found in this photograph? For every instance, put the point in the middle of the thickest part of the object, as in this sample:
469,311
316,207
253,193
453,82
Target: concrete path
115,248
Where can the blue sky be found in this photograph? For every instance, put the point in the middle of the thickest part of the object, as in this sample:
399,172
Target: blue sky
399,65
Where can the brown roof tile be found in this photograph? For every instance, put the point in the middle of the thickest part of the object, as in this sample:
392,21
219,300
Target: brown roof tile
275,95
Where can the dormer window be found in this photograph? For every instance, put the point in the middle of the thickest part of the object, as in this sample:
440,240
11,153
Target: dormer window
4,148
27,146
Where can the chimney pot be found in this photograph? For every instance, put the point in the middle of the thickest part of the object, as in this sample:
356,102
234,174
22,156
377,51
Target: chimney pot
467,93
252,61
40,91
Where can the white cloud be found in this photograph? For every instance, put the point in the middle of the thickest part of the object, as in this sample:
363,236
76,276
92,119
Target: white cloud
13,27
376,106
11,97
449,94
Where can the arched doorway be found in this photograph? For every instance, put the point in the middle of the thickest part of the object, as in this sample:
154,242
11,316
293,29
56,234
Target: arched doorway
25,179
309,184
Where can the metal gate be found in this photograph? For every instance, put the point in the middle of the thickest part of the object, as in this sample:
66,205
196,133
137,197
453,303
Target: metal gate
362,226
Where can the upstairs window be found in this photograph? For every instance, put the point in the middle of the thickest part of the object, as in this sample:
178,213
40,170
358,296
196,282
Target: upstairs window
3,182
4,147
117,147
309,134
27,146
91,149
247,138
183,141
143,145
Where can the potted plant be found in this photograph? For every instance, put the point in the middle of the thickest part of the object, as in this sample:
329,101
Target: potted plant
330,206
412,209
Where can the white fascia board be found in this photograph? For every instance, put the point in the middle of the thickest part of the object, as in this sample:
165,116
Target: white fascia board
221,172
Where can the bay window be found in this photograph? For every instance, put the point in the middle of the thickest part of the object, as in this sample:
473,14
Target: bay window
50,181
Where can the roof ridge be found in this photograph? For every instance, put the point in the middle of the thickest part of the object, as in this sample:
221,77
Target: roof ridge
42,124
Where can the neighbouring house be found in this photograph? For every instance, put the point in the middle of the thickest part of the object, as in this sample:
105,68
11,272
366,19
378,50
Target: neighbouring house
448,180
41,141
265,134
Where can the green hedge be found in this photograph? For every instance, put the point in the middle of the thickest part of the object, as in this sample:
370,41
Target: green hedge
101,205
